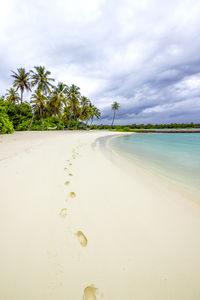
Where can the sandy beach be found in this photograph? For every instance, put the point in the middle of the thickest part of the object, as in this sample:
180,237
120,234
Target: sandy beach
76,225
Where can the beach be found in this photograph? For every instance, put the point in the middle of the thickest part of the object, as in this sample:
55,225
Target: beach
76,225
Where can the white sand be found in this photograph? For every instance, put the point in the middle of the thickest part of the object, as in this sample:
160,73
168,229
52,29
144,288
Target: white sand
126,234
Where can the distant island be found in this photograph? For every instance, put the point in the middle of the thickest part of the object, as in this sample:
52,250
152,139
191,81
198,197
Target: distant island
172,127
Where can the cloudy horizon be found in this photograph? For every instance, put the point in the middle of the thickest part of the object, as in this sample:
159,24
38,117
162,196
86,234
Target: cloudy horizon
144,55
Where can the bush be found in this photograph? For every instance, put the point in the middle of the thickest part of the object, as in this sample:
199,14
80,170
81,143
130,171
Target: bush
5,125
13,111
23,124
126,129
48,124
74,124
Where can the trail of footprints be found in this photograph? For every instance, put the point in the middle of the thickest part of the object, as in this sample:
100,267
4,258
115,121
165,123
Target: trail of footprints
90,292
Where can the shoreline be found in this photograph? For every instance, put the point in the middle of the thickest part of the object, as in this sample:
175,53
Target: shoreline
72,221
129,163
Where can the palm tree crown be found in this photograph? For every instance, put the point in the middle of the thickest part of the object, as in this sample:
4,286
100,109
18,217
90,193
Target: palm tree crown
40,77
58,99
73,96
21,82
12,96
115,107
84,102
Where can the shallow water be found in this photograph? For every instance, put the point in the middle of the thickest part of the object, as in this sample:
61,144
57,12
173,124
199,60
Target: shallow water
175,156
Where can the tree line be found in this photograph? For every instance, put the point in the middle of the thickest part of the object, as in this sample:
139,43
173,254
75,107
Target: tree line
51,106
147,126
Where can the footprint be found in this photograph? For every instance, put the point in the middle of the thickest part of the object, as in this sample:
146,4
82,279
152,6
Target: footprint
70,174
63,213
70,164
72,194
65,169
83,241
90,293
67,182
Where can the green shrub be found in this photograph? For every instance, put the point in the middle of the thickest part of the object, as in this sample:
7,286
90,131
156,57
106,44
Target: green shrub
126,129
13,111
6,125
48,124
23,124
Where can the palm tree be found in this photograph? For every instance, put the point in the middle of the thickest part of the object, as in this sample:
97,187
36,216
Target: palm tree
95,113
84,105
21,81
58,99
40,77
73,97
12,96
115,107
38,99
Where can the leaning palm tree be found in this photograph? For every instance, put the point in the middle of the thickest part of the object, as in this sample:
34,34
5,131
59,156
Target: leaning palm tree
12,96
115,107
38,100
40,78
21,82
95,113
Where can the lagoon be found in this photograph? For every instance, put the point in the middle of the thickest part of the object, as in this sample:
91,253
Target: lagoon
176,157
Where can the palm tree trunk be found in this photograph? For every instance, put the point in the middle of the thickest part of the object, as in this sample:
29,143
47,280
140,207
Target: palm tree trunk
32,117
69,123
21,102
91,122
42,118
59,120
113,118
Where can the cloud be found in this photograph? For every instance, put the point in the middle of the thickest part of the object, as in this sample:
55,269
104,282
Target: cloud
143,54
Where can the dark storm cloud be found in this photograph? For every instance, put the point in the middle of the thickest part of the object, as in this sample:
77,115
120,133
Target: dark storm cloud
143,54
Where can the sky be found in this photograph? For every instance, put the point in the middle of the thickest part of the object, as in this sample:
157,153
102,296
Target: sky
143,54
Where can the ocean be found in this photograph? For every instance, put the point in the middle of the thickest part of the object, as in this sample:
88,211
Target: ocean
174,156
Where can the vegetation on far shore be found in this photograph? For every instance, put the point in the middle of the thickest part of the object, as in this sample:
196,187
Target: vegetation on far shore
142,127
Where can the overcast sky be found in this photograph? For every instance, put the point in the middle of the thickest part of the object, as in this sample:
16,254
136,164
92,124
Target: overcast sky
144,54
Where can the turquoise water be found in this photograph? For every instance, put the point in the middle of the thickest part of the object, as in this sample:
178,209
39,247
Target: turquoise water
173,155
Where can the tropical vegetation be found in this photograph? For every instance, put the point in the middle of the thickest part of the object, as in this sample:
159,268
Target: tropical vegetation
49,105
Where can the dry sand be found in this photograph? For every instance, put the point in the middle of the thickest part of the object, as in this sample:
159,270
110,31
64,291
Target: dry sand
75,226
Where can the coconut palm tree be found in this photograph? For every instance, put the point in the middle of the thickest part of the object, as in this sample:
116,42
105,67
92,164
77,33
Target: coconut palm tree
12,96
84,107
95,113
115,107
58,99
21,82
73,97
40,78
38,100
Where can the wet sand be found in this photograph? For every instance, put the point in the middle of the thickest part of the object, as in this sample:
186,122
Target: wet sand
75,225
